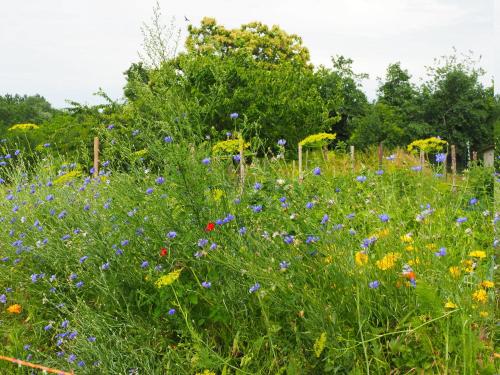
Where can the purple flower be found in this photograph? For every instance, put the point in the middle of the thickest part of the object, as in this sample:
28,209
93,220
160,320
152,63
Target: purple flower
202,242
171,312
144,264
233,116
416,168
257,208
64,324
379,172
3,298
242,230
317,171
325,219
48,327
361,178
473,201
79,284
206,161
160,180
168,139
171,234
105,266
84,258
206,284
73,276
257,186
309,205
255,287
281,142
72,358
111,126
440,158
288,239
236,158
91,339
228,134
149,191
284,265
441,252
461,220
384,218
374,284
46,145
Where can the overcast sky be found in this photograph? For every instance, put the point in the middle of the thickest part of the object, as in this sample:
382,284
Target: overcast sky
67,49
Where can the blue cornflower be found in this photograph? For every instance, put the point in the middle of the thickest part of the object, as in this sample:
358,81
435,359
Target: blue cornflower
160,180
111,126
73,276
309,205
281,142
416,168
237,158
48,327
384,218
61,215
284,265
312,239
379,172
171,312
149,191
81,364
3,298
213,246
228,134
317,171
242,230
72,358
441,252
206,161
255,287
233,116
64,324
325,219
374,284
206,284
257,186
257,208
91,339
105,266
27,347
361,178
79,284
473,201
106,163
202,242
46,145
440,158
124,242
135,132
144,264
288,239
171,234
84,258
461,220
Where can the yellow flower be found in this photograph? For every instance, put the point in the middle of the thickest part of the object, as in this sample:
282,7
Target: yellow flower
407,238
412,262
432,144
450,305
388,261
319,344
217,194
469,265
361,258
140,153
484,314
168,279
431,246
487,284
478,254
455,272
409,248
480,295
206,372
15,309
67,177
318,140
23,127
231,146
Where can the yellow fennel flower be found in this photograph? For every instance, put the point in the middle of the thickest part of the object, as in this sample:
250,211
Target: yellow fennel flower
487,284
319,344
450,305
478,254
168,279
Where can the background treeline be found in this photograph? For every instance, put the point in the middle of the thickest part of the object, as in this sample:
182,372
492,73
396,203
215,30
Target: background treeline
265,75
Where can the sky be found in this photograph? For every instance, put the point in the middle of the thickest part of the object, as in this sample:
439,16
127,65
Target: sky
67,50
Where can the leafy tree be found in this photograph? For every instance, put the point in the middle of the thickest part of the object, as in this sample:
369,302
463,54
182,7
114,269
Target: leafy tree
16,109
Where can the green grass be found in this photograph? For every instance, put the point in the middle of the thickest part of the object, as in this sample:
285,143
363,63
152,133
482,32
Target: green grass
396,328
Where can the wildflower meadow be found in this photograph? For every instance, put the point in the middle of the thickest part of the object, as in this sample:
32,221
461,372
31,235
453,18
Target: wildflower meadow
182,265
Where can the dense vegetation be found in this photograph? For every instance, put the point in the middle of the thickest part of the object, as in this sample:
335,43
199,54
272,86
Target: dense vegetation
169,260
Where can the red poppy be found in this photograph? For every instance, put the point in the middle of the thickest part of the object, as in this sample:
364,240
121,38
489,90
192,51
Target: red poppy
210,227
163,252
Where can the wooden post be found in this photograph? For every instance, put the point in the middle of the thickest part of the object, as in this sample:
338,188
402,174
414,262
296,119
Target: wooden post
293,169
453,167
422,159
474,156
301,177
307,159
352,158
96,156
242,162
380,155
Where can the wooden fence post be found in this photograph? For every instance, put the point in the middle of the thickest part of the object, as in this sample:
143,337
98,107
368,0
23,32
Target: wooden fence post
301,177
242,162
380,155
453,167
422,159
352,158
96,156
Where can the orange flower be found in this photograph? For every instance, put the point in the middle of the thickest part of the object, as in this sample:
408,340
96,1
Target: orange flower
15,309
